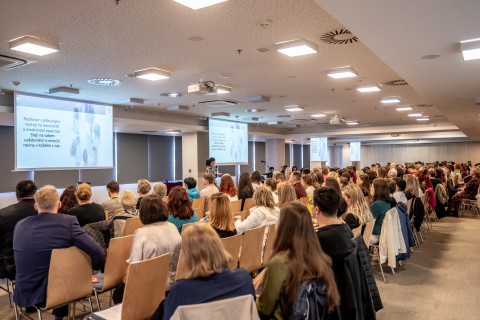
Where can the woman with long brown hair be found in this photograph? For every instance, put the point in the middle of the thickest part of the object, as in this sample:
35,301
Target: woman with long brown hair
296,257
221,216
180,208
245,187
68,199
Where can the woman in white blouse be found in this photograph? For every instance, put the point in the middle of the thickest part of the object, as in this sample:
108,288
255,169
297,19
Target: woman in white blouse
157,237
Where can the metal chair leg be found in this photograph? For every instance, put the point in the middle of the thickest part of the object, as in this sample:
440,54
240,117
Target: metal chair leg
90,303
97,299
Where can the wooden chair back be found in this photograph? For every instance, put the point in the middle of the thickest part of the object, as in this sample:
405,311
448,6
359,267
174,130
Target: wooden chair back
131,225
267,253
357,231
116,264
236,205
145,287
180,273
198,206
233,245
252,245
248,205
69,277
367,233
304,201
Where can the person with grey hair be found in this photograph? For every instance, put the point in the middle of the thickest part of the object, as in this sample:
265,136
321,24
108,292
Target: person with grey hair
143,188
159,189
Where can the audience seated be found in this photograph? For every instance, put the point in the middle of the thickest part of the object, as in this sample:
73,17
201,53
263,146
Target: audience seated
68,199
399,194
9,217
160,189
296,257
47,231
296,181
191,187
180,208
208,277
382,202
333,182
209,186
263,212
157,237
271,184
86,211
245,187
221,216
256,180
336,241
112,203
143,188
308,184
358,211
227,186
286,194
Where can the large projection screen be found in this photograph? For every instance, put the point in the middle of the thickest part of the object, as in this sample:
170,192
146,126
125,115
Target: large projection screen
228,142
318,149
53,134
355,154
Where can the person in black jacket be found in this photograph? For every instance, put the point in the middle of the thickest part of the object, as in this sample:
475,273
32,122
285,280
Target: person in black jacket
9,217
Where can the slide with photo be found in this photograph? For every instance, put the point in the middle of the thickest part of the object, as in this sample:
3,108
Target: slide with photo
62,134
228,141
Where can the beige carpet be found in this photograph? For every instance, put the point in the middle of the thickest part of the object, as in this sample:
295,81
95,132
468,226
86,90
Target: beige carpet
440,281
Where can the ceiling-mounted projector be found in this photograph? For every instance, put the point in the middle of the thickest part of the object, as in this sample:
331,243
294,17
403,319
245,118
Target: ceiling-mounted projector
202,87
336,120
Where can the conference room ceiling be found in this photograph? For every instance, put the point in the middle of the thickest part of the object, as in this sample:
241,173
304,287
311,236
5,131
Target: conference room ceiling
100,39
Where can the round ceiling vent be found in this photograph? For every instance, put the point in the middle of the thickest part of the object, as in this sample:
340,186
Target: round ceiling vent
399,82
104,82
339,36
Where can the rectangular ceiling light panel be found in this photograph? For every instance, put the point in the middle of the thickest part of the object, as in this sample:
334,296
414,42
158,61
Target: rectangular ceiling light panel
297,47
152,74
369,88
470,49
199,4
33,45
341,73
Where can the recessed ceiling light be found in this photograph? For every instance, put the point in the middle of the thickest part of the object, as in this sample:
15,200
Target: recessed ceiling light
343,72
297,47
430,56
318,115
152,74
414,115
198,4
289,141
351,122
470,49
293,108
405,108
172,94
387,100
104,82
222,89
33,45
254,110
172,131
423,119
369,88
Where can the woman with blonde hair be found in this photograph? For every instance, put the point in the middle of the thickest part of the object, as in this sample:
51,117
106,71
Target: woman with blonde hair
358,211
297,257
143,188
221,216
207,276
333,174
86,211
308,184
160,190
271,184
286,194
263,212
413,187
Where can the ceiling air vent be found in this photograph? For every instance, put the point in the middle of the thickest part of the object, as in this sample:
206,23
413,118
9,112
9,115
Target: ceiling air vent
8,62
399,82
219,103
339,36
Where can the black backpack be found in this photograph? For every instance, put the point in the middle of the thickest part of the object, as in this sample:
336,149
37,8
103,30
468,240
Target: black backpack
311,302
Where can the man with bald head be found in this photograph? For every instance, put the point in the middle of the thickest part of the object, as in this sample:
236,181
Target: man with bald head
34,239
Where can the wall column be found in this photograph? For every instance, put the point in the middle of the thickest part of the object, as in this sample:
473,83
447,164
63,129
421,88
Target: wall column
275,153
